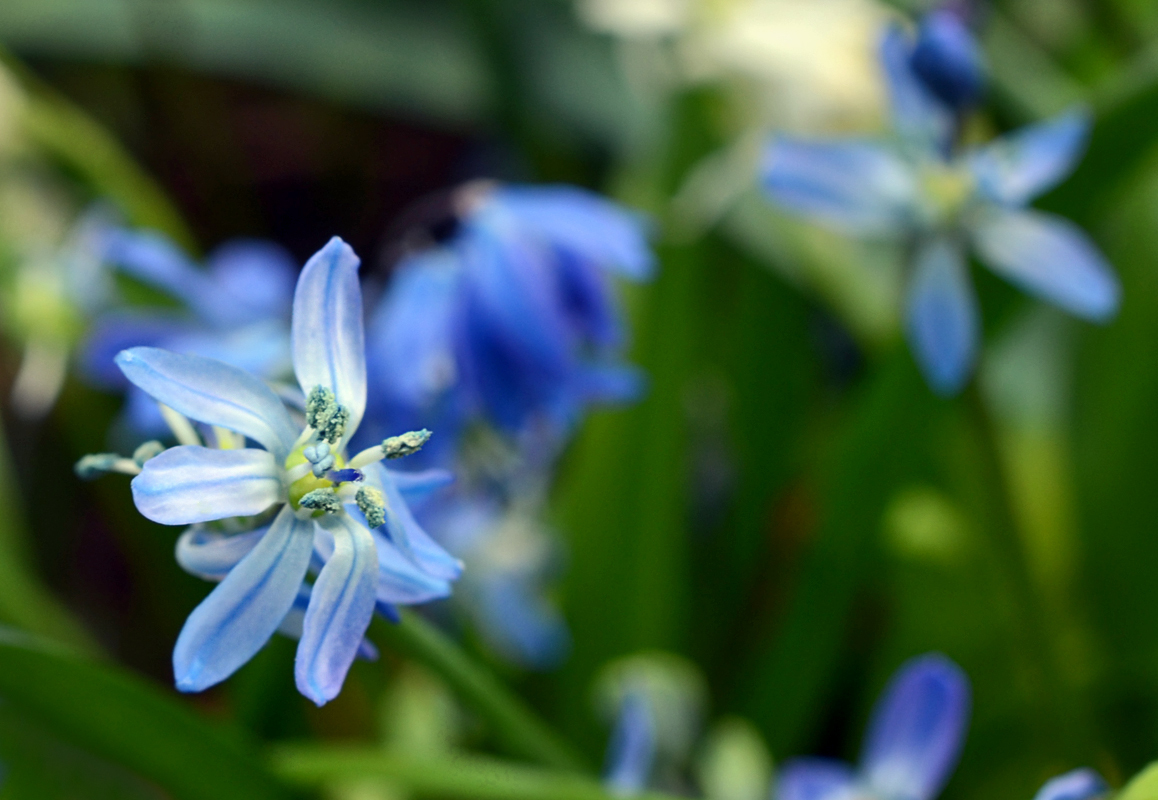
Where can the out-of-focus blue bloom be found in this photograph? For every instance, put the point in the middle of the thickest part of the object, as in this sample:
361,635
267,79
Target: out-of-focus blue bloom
912,745
514,319
948,60
1078,784
919,188
234,310
631,751
510,559
342,517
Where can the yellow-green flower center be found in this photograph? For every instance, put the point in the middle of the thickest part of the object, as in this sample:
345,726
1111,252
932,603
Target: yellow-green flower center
303,486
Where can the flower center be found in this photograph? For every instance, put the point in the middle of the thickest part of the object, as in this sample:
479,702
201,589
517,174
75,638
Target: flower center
947,189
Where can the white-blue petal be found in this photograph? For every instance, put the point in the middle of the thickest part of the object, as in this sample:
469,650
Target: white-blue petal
1049,257
341,604
243,611
942,317
859,187
212,392
1017,167
210,554
328,340
405,532
1079,784
631,751
815,779
918,116
189,484
582,225
400,580
291,626
417,486
917,730
153,258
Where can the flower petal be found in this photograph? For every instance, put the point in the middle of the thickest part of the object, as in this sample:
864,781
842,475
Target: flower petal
252,280
1052,258
328,340
583,225
942,316
189,484
1079,784
291,626
211,555
243,611
1016,168
212,392
406,534
400,580
917,729
631,751
341,604
859,187
814,779
153,258
948,60
117,331
417,486
918,116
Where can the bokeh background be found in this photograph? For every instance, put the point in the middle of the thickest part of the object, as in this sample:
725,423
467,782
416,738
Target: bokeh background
788,508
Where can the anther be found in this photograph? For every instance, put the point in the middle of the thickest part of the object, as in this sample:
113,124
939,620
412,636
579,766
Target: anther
146,451
324,500
324,415
406,444
372,505
95,465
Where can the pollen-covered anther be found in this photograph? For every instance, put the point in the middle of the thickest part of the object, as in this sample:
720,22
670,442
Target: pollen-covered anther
324,415
406,444
146,451
95,465
324,500
372,505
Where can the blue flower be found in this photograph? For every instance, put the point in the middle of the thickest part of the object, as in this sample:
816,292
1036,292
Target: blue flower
514,319
341,517
912,745
947,59
235,310
943,203
632,749
1079,784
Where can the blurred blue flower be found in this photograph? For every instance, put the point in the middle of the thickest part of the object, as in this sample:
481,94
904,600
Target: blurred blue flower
631,751
919,188
1078,784
514,319
912,745
342,517
948,60
234,310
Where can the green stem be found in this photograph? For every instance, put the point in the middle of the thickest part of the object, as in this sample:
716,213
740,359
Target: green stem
24,600
459,776
519,729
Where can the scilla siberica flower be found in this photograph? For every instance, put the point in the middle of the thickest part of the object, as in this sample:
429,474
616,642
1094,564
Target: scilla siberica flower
1079,784
235,310
921,187
340,516
513,320
912,745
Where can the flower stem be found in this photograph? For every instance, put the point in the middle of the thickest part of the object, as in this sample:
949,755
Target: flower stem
458,776
519,729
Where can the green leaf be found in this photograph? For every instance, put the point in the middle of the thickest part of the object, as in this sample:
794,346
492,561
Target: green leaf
114,715
1143,786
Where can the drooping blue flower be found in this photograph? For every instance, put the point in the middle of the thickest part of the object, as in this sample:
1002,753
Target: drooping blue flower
631,750
948,60
1078,784
945,202
514,320
911,747
234,310
343,518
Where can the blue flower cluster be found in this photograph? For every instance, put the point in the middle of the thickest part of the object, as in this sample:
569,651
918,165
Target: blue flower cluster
944,200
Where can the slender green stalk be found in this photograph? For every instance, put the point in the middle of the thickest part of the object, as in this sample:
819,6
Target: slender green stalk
518,728
459,776
24,600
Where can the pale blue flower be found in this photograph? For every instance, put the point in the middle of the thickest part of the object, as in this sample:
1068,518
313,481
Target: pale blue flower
911,747
341,517
632,749
944,203
236,309
1078,784
513,320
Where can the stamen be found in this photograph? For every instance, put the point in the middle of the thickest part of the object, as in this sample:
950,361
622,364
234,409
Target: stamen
227,439
372,505
298,471
95,465
320,457
324,415
147,451
180,425
394,447
324,500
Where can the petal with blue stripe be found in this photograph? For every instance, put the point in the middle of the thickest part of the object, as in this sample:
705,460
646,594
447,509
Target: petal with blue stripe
341,604
211,555
1078,784
189,484
212,392
1017,167
942,316
244,610
329,346
1049,257
815,779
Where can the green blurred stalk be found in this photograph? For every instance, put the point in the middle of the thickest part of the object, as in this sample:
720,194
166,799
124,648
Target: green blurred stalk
518,728
24,600
458,776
